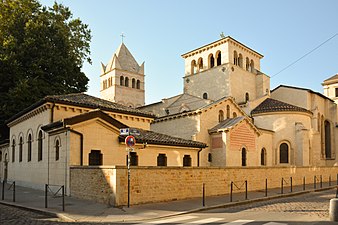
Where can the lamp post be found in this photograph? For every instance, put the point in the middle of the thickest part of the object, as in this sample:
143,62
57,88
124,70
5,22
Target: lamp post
130,143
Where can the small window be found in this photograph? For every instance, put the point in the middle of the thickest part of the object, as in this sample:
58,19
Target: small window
121,81
138,84
200,64
211,61
243,157
284,153
219,58
336,92
13,150
209,157
234,115
29,148
220,116
20,149
186,160
205,95
240,60
228,112
57,150
247,97
133,159
235,58
40,144
193,67
133,83
252,66
327,130
161,160
247,64
126,82
263,157
95,158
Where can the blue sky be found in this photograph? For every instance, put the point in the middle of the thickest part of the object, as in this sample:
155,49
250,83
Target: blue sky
159,31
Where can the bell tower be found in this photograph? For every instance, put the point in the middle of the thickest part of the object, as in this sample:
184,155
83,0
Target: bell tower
330,86
122,79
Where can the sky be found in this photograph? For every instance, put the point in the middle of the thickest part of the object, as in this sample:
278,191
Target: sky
158,32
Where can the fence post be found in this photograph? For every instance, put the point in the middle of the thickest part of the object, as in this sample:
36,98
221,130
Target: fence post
246,190
266,187
46,190
13,191
314,182
3,190
303,183
291,184
282,186
321,181
203,195
63,197
231,191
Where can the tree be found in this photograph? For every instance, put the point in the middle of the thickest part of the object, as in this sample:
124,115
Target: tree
42,51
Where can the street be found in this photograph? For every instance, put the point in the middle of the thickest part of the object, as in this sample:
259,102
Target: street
312,208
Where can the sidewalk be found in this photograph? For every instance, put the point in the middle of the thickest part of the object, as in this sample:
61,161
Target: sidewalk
81,210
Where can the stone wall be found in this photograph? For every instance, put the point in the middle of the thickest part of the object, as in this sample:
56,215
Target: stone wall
157,184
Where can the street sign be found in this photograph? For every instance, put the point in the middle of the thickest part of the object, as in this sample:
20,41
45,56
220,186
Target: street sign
124,131
130,141
134,132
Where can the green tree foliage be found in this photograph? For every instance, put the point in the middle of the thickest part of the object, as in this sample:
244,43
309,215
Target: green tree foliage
42,51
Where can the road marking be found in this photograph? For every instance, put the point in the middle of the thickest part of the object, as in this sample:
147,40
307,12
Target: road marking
204,221
274,223
176,219
238,222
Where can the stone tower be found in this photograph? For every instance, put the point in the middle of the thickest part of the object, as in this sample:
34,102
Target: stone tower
331,88
225,68
122,79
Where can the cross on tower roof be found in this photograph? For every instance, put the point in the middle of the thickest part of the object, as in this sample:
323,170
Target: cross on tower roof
122,36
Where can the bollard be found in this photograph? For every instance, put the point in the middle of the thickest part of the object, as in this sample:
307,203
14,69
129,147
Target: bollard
46,190
231,191
321,181
333,212
63,198
13,191
314,182
266,187
203,194
281,187
303,183
291,184
330,181
246,190
3,190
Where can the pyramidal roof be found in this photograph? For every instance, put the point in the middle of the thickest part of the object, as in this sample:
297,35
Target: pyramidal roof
332,79
123,59
273,105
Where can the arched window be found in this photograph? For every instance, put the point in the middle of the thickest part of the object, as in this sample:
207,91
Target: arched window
220,116
138,84
284,153
186,160
211,61
133,159
20,149
327,131
235,58
243,157
13,150
200,64
205,95
95,158
252,66
161,160
247,97
126,82
218,58
228,111
57,150
193,67
29,148
234,115
247,64
209,157
40,144
240,60
133,83
263,157
121,81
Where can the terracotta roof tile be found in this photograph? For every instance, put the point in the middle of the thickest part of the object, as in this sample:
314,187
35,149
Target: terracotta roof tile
273,105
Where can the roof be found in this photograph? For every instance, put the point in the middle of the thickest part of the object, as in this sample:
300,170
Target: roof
332,79
273,105
228,37
226,124
84,100
303,89
145,136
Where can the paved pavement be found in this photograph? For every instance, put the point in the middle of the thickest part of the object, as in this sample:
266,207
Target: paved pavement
77,210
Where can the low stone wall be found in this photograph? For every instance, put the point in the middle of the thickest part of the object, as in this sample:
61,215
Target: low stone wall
157,184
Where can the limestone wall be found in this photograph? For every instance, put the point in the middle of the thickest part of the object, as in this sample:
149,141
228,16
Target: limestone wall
156,184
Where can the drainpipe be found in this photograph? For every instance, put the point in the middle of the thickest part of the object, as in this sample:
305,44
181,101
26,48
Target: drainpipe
81,144
198,157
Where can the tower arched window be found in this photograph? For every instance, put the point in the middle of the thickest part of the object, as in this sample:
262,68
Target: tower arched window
228,111
252,66
235,58
263,157
57,150
247,64
220,116
121,81
211,61
138,84
205,95
29,148
284,153
247,97
327,130
243,157
240,60
133,83
20,149
219,58
13,150
126,82
200,64
193,67
234,115
40,145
